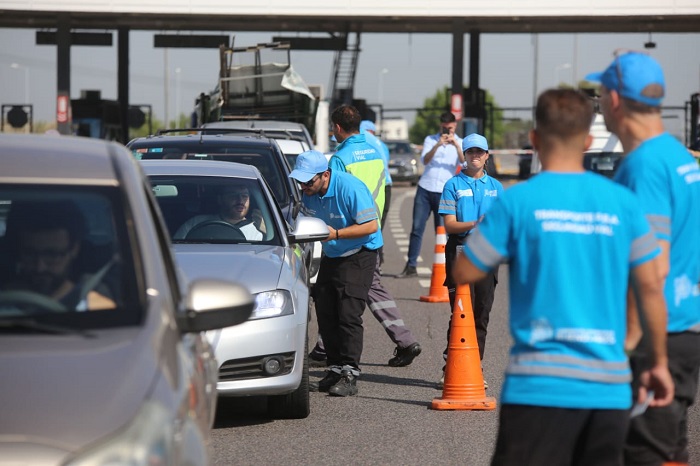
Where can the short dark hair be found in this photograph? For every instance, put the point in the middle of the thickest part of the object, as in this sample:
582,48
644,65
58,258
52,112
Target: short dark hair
447,117
348,118
563,113
32,216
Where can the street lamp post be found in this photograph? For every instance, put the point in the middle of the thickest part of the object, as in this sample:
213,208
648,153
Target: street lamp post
380,93
178,72
557,79
17,66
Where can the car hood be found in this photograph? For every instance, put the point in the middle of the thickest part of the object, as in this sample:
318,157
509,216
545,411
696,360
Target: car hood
401,159
258,267
61,393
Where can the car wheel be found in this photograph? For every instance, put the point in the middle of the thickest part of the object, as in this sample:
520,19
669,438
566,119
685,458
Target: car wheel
295,405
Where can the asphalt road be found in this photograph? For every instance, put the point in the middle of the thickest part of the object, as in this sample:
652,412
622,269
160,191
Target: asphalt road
390,420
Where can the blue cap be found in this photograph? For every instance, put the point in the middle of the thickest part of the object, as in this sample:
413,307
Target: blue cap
367,125
475,140
308,164
635,76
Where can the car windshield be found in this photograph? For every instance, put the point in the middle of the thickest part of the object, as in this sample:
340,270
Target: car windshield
264,160
65,259
398,148
215,209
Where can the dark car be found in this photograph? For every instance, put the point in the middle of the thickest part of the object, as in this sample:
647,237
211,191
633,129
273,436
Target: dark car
250,149
404,162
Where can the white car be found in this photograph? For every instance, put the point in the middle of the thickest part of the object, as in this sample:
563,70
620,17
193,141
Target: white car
267,355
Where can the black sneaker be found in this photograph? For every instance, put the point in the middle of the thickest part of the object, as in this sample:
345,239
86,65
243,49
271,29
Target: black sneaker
325,383
317,355
405,356
346,386
408,271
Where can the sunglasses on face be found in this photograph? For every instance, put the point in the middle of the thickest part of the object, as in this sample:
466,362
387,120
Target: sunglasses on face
311,182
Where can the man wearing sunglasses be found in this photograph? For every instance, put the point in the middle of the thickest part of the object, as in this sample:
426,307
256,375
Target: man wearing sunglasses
666,180
347,265
48,237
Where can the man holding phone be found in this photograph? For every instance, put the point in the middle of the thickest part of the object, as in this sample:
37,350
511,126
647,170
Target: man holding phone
442,153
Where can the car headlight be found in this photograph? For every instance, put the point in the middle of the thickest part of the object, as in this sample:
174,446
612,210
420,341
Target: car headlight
272,304
145,441
413,162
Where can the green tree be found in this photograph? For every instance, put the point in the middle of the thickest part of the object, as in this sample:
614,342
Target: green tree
428,118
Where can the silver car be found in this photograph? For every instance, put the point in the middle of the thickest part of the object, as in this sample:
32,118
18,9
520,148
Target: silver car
102,354
225,223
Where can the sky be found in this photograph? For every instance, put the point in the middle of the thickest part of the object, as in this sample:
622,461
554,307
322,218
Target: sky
416,65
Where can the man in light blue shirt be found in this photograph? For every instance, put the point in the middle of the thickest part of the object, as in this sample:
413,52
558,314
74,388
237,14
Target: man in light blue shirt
349,259
666,180
441,155
573,241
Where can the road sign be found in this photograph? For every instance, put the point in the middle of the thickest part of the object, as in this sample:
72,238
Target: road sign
62,108
457,106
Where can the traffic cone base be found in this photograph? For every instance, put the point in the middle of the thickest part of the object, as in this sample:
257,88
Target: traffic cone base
438,291
463,388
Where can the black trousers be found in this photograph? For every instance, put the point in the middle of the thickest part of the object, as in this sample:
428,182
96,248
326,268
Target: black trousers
537,435
340,295
482,294
661,434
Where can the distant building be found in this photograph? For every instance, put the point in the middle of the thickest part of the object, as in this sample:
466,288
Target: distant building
392,129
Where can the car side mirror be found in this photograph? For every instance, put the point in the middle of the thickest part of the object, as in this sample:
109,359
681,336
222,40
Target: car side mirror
213,304
308,229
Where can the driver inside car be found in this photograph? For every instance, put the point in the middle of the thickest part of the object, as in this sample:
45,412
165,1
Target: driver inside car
49,238
234,203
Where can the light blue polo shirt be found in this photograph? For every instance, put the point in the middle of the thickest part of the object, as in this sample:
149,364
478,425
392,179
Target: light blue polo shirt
666,180
571,240
469,198
347,202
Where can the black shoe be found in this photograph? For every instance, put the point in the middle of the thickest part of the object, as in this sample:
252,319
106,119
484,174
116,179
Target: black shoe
408,271
405,356
325,383
346,386
317,355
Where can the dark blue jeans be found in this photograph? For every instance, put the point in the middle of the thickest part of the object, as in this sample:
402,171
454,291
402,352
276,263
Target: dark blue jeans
424,203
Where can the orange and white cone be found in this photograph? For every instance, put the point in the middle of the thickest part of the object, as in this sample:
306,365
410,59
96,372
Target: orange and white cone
463,388
438,291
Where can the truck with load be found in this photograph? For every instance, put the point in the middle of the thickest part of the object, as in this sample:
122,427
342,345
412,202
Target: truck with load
257,90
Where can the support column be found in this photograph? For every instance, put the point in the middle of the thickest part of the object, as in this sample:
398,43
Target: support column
123,81
456,104
63,45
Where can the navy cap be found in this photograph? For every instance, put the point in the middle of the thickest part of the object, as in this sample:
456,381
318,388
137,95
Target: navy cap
635,76
308,164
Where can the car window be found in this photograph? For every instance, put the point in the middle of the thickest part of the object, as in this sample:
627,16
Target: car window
264,160
65,256
206,209
396,148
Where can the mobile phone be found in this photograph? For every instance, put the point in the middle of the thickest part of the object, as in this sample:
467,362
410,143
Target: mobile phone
445,130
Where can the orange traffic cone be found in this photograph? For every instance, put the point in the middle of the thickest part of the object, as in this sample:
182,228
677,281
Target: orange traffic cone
464,383
438,290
